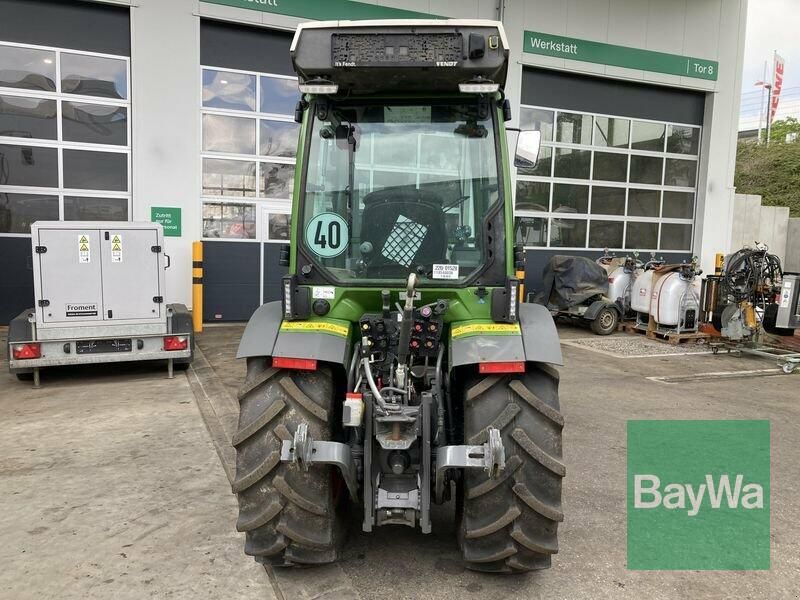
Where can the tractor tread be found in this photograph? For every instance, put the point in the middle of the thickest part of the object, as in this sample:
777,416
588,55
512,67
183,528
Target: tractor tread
525,540
288,384
269,512
537,403
254,426
542,457
505,519
254,476
251,384
512,464
292,495
288,514
547,511
500,422
510,524
481,387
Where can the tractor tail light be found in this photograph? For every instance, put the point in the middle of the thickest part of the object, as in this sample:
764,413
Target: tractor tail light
176,342
26,351
516,366
298,364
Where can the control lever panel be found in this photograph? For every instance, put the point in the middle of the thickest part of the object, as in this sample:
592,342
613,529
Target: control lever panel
382,334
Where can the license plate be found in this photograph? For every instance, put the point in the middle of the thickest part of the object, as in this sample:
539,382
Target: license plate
101,346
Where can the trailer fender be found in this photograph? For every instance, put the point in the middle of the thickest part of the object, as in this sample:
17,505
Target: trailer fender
267,334
598,305
20,329
539,334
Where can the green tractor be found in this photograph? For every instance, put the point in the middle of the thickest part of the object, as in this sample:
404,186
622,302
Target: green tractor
400,369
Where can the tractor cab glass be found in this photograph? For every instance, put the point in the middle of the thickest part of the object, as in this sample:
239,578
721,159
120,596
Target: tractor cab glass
396,188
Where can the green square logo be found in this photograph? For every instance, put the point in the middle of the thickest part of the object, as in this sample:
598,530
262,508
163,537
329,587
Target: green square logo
698,495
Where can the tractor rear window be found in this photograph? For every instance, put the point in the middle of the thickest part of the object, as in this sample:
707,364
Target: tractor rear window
393,189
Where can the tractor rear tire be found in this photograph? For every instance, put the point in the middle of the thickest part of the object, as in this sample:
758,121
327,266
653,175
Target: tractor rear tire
510,524
289,516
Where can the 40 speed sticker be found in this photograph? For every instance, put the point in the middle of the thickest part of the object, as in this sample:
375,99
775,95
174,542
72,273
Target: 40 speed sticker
315,327
486,329
327,235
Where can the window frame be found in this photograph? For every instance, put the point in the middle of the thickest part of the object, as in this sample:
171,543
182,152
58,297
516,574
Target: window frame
60,144
592,183
260,202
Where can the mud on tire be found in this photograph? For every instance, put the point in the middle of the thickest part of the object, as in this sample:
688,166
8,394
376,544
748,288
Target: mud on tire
510,524
289,516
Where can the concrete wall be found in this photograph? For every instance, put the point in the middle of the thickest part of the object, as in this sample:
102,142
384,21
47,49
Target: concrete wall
753,223
792,260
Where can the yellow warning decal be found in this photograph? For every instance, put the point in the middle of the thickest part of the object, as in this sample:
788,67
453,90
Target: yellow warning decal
83,240
116,240
486,329
315,327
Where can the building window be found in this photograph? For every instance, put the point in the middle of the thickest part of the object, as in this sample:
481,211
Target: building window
64,136
248,153
607,181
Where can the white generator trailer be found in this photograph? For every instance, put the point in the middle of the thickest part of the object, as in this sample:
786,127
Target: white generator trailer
99,298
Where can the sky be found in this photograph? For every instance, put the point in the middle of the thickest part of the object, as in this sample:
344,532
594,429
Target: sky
771,25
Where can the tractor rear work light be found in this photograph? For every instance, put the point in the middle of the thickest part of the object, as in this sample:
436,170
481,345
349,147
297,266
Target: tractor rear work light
26,351
478,88
298,364
318,86
516,366
176,342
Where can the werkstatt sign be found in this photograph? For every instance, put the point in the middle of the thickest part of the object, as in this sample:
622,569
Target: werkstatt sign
169,217
619,56
325,10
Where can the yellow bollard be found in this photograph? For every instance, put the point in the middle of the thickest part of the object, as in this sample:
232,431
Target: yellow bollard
719,260
197,286
521,276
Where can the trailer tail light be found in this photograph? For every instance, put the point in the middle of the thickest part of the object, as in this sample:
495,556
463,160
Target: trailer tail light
26,351
298,364
517,366
176,342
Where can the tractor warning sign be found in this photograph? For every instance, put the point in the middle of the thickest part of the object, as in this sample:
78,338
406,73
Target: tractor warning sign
84,249
116,248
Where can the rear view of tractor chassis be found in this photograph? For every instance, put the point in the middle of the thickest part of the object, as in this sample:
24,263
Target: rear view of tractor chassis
360,397
304,453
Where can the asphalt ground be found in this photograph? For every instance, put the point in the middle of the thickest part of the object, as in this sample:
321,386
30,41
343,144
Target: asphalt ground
110,487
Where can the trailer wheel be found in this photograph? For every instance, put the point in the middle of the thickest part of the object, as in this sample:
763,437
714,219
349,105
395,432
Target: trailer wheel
289,515
606,322
510,524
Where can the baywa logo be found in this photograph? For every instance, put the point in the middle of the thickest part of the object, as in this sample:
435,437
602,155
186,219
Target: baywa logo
698,495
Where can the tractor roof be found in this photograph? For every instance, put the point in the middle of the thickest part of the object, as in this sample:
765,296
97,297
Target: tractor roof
401,56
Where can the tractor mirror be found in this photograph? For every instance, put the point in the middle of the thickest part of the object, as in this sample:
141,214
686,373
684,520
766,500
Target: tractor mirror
528,143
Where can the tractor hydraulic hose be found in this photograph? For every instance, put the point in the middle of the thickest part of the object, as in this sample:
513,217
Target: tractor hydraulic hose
376,393
408,318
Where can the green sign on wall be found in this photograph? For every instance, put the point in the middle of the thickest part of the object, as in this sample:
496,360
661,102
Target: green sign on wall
323,10
169,217
619,56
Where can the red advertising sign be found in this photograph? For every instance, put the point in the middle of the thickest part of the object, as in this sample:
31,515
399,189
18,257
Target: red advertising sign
777,84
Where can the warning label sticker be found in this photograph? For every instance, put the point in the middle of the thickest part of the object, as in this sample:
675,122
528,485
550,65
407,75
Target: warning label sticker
84,249
88,309
445,272
485,329
116,248
314,327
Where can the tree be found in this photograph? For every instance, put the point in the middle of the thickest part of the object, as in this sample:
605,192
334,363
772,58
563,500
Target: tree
773,172
783,127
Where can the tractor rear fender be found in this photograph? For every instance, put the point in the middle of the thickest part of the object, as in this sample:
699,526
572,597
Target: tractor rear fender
263,336
537,341
598,305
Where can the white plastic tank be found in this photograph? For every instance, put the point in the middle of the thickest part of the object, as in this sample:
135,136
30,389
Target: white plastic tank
641,292
673,296
618,281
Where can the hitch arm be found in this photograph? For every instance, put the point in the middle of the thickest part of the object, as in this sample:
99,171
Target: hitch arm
303,451
491,457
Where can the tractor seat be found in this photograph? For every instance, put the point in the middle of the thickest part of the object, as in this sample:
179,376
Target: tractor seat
406,228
